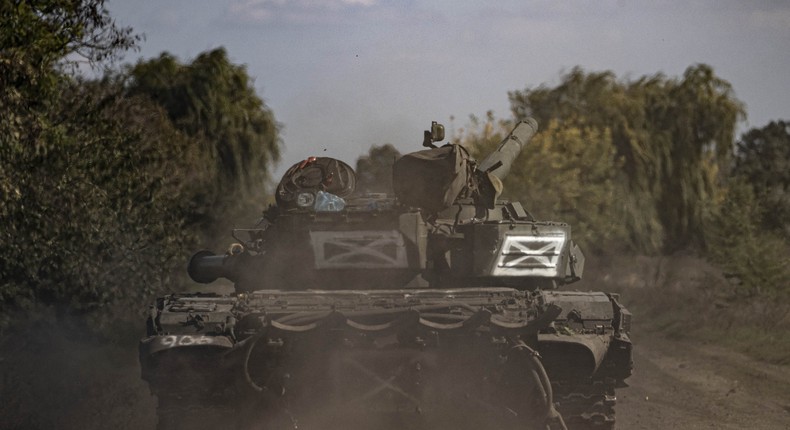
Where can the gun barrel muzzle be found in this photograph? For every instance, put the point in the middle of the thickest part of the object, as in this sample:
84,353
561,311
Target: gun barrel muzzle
205,267
498,162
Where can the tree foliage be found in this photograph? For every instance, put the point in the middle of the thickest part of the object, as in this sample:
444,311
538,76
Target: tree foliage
70,179
213,100
565,174
374,170
755,258
39,39
675,137
749,225
97,218
99,182
763,161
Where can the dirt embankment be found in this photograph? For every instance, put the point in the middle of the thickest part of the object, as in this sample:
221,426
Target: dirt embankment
54,379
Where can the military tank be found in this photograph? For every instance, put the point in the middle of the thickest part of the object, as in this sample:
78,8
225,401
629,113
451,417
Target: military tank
439,307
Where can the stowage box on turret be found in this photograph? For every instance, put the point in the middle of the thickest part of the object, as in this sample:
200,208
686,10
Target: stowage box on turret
438,307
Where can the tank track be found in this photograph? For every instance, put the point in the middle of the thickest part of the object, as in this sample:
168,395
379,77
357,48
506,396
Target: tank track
586,406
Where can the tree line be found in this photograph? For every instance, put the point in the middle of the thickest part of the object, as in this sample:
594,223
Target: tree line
108,183
652,165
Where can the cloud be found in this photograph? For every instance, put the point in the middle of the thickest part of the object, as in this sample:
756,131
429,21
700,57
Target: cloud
295,11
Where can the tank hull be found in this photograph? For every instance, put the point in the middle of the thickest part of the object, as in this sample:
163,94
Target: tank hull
433,358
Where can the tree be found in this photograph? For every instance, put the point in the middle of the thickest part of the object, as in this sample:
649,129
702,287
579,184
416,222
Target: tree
98,217
213,101
90,181
374,171
565,173
674,135
762,159
749,231
755,258
96,184
40,39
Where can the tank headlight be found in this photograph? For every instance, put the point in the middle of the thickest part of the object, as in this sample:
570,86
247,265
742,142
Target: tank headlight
235,249
305,200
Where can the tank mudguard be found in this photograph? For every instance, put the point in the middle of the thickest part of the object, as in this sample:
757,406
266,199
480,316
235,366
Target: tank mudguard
155,344
582,334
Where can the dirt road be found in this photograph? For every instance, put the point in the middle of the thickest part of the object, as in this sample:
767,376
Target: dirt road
65,384
681,385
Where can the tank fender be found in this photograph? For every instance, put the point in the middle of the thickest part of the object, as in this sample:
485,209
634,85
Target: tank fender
155,344
152,348
578,354
583,334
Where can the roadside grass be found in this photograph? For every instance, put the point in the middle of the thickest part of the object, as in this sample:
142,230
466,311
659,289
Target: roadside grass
771,346
683,297
758,327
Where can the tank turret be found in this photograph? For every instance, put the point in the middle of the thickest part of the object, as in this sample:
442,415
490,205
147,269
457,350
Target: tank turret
477,239
444,228
433,179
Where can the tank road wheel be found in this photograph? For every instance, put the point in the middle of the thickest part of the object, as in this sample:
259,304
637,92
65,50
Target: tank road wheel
586,406
527,393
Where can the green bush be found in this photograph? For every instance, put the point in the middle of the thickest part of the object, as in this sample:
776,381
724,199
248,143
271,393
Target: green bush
756,260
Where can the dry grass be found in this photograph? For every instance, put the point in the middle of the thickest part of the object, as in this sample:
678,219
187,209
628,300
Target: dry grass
684,297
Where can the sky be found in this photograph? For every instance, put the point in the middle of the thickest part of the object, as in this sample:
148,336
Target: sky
342,75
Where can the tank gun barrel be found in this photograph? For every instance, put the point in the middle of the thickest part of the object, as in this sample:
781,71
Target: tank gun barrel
205,267
498,162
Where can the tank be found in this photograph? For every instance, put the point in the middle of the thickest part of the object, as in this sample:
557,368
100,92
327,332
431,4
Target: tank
441,306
